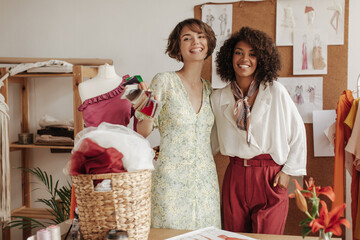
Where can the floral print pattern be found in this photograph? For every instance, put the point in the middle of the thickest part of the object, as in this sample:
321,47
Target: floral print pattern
185,189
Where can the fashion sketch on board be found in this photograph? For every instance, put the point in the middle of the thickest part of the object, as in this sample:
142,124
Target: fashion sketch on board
209,18
306,92
287,24
318,61
304,65
223,22
288,18
310,16
327,15
298,96
337,10
311,91
310,52
219,18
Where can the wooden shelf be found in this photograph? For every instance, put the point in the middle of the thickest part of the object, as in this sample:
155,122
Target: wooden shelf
38,213
29,75
82,69
75,61
16,146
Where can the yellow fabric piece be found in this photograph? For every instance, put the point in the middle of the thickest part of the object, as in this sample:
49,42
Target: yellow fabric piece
350,119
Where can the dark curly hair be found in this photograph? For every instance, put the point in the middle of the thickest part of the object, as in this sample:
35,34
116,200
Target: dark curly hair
196,25
268,57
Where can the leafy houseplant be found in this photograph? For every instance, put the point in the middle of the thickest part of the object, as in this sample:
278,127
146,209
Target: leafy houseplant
58,203
319,218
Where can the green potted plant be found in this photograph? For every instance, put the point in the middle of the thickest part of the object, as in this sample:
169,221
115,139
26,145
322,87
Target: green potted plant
58,202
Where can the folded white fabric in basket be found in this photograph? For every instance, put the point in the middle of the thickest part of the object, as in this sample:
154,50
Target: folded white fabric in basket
138,154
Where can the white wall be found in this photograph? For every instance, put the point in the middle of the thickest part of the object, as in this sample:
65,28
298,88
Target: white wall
354,46
131,32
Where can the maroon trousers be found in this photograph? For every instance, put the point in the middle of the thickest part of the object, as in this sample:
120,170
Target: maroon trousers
250,202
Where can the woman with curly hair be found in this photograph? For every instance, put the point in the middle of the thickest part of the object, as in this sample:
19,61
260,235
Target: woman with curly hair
185,189
266,147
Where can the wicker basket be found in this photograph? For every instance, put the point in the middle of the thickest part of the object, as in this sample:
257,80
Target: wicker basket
125,207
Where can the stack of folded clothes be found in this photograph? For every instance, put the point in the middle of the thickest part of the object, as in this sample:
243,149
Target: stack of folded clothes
55,132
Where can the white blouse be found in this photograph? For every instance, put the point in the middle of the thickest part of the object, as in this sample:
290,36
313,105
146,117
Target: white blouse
276,128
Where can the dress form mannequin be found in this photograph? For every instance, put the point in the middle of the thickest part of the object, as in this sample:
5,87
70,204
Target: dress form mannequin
102,102
105,81
101,99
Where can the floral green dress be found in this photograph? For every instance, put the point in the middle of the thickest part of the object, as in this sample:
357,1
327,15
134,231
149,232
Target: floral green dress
185,189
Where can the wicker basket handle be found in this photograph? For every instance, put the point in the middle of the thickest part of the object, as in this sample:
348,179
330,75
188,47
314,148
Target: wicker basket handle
104,176
101,176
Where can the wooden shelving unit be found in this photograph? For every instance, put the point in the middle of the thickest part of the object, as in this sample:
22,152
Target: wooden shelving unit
16,146
39,213
82,69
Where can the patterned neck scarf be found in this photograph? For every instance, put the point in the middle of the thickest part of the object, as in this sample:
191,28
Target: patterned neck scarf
242,106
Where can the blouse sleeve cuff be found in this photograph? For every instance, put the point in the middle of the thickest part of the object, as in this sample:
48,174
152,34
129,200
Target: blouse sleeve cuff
292,172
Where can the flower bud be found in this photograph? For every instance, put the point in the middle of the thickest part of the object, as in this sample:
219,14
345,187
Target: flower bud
300,201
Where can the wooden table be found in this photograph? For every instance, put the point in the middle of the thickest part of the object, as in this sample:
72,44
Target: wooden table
160,234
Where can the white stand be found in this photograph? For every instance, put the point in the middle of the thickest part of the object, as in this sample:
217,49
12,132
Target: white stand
105,81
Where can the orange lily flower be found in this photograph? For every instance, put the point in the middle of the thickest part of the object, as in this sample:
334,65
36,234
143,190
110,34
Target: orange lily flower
300,201
329,221
327,191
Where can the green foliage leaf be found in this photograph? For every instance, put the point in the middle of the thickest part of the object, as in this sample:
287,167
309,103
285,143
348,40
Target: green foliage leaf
305,222
314,210
305,231
305,191
58,204
25,223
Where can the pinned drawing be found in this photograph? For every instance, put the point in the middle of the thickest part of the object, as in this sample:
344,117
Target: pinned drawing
223,22
309,52
306,92
311,91
304,65
288,19
298,98
219,18
209,18
287,25
337,13
310,14
318,61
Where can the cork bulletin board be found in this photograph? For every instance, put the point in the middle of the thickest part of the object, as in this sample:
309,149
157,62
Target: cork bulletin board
262,16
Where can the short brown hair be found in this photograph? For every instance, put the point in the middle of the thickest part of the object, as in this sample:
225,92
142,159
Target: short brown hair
196,25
